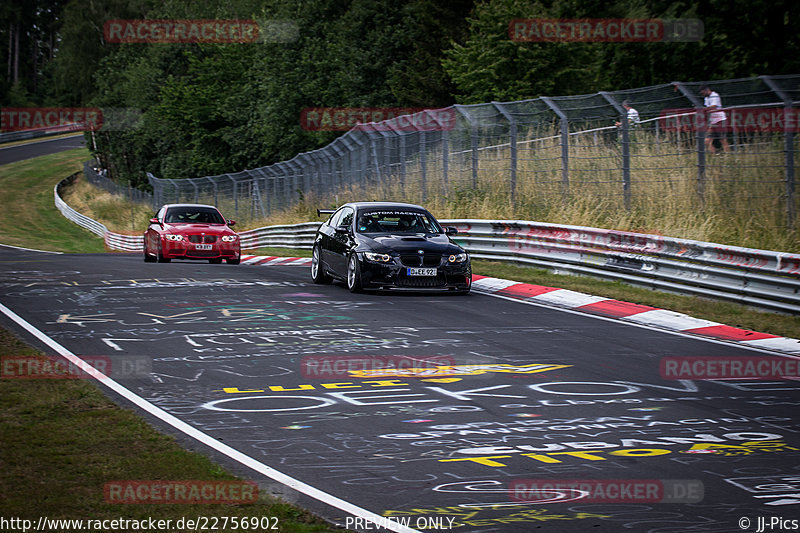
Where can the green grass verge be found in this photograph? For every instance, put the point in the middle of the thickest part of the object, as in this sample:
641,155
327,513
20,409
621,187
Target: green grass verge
29,217
63,440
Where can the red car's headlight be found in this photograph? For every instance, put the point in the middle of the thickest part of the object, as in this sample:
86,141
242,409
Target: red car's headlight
229,238
171,237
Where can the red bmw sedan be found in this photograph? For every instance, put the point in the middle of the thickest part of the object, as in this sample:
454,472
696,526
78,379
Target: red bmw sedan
191,231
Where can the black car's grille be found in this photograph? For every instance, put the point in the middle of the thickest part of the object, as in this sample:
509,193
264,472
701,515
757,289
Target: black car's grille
420,282
207,239
427,260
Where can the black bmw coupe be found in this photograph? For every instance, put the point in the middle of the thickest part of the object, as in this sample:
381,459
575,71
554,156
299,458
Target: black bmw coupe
383,245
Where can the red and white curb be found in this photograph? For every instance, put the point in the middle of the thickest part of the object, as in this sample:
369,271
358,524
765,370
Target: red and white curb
598,305
639,314
263,260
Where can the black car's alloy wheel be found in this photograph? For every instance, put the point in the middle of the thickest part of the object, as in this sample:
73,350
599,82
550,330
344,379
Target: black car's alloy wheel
354,274
317,271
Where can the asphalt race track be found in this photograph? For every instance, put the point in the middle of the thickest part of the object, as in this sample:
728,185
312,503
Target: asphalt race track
10,154
529,396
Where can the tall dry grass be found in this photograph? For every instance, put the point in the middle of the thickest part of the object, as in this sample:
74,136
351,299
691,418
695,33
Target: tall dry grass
742,202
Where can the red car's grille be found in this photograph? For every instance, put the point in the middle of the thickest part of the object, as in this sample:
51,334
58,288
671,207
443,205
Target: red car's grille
207,239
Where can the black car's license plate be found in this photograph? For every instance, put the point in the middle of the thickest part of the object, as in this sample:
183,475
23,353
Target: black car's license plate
421,272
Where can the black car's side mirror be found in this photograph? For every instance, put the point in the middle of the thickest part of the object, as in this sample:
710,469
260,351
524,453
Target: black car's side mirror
450,230
341,229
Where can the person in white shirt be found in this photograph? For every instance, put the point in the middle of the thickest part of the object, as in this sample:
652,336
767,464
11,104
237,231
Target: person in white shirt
716,120
633,115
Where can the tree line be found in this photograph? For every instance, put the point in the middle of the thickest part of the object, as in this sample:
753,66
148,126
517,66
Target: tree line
204,108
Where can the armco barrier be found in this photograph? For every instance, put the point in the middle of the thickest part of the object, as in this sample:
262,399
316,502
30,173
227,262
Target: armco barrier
759,278
288,236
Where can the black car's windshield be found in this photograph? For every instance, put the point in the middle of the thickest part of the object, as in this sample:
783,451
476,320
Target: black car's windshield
193,215
396,221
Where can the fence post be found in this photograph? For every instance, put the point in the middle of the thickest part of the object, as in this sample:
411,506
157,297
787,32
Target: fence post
423,163
788,148
626,148
337,160
512,139
564,145
445,150
402,142
473,134
157,192
284,166
235,195
701,139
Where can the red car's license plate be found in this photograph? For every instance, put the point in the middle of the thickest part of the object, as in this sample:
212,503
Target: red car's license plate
421,272
202,247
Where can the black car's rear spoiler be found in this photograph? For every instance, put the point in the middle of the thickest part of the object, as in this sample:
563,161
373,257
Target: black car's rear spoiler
321,212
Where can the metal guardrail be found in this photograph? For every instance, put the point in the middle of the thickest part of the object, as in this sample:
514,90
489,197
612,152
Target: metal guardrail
758,278
282,236
39,132
286,236
69,213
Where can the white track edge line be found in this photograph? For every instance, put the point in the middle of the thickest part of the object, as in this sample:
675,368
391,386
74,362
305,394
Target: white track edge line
209,441
30,249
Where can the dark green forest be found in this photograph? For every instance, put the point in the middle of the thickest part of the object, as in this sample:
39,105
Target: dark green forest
213,108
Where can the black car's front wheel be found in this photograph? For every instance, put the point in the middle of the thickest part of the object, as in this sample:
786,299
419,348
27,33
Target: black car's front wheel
318,274
354,274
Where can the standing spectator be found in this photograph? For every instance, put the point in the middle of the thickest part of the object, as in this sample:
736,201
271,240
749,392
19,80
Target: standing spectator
716,120
633,115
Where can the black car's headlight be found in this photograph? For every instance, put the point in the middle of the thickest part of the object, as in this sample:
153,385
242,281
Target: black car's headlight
377,258
457,258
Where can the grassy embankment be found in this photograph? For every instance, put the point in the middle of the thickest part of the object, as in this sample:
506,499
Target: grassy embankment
62,440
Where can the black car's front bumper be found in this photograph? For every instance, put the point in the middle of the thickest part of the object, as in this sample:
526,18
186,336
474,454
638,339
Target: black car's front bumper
395,275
